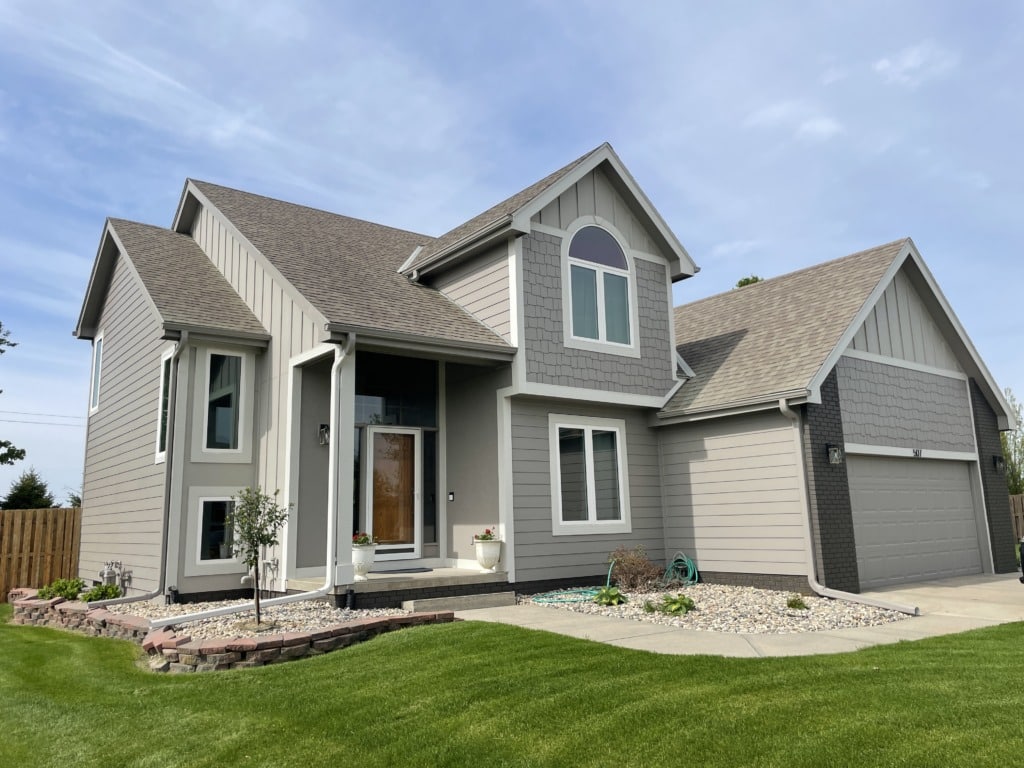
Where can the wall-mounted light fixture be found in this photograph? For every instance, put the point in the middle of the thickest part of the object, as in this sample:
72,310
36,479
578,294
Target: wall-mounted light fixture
999,463
835,454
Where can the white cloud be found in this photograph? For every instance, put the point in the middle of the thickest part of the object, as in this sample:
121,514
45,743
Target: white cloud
819,128
916,64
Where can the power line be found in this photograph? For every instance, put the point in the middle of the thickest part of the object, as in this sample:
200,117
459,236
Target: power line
54,415
45,423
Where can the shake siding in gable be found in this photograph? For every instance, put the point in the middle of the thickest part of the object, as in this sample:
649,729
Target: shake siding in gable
539,554
294,331
732,495
123,487
481,287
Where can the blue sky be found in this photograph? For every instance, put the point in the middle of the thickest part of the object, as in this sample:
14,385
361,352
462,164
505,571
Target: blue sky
769,136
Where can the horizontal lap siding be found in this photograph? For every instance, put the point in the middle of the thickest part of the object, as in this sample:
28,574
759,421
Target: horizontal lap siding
539,554
123,487
733,501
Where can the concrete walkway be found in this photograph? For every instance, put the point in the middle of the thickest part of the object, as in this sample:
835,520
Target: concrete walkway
947,606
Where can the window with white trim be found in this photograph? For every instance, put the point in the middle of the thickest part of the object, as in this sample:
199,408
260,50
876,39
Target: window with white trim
599,287
589,484
97,365
163,405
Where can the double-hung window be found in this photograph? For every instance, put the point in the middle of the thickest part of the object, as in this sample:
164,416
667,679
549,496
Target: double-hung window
599,288
589,484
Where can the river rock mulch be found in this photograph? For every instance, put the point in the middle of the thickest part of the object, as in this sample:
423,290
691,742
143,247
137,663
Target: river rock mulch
737,610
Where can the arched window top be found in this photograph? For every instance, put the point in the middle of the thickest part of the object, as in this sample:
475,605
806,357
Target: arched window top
598,246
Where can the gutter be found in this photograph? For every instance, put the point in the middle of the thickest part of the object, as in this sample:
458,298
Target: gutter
172,397
812,580
340,353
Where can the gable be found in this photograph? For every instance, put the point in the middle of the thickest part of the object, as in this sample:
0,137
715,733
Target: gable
594,195
901,326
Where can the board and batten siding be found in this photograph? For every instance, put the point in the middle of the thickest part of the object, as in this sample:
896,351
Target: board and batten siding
733,501
594,195
481,287
123,486
541,555
900,326
294,330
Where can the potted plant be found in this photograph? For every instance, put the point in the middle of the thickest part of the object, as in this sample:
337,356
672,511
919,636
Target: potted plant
488,549
364,548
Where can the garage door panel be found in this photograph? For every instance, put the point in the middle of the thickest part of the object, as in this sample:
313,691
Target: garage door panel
913,519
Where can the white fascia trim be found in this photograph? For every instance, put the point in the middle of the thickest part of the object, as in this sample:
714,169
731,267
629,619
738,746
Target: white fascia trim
588,527
908,364
851,330
590,395
604,153
908,453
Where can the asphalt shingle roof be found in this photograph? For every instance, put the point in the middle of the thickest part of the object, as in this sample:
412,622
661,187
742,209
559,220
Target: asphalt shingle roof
770,338
347,268
183,283
494,214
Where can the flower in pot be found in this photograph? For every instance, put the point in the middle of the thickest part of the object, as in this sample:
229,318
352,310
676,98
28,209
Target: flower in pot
364,547
488,549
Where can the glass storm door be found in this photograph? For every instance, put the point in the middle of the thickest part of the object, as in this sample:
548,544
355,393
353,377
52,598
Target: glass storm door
393,508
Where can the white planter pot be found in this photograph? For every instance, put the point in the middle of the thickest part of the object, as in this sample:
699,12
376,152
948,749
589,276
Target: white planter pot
362,559
488,553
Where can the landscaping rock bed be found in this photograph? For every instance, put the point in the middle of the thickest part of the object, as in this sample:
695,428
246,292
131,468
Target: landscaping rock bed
738,610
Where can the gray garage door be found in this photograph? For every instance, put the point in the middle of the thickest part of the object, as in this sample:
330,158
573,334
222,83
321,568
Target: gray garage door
913,520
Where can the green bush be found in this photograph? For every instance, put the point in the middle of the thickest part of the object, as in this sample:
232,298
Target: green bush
66,588
609,596
633,570
101,592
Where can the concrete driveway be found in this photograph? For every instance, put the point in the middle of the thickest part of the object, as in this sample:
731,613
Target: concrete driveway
947,607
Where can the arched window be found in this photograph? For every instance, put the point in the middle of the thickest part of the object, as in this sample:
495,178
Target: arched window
599,287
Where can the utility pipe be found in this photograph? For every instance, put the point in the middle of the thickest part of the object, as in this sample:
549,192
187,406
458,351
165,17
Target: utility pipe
172,395
812,579
340,353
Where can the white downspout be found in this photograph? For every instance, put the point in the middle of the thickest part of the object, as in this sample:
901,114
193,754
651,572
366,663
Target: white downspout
812,579
340,353
172,396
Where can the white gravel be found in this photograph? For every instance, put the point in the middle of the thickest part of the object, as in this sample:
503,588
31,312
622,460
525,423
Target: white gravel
739,610
303,616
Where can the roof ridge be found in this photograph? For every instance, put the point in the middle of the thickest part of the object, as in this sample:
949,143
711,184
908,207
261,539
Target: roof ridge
794,273
200,183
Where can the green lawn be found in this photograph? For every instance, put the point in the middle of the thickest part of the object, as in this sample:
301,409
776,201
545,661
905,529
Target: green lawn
473,694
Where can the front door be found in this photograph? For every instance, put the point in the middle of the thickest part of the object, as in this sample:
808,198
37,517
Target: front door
393,509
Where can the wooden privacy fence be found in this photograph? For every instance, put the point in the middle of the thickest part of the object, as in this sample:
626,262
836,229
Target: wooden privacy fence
1017,513
38,546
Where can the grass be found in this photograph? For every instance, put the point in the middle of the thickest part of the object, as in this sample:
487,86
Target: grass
481,694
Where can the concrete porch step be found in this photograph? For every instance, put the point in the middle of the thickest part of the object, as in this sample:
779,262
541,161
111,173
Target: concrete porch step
461,602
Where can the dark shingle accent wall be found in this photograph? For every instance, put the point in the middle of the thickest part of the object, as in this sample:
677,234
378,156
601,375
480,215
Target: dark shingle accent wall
993,483
828,489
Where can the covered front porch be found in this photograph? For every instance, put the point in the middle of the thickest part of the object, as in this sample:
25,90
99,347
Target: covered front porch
404,447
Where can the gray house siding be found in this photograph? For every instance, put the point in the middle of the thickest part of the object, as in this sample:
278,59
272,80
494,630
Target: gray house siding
123,486
900,326
549,361
481,287
471,439
887,405
541,555
733,501
993,482
828,491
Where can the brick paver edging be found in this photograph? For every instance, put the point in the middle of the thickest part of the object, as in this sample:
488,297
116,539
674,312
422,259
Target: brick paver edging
171,652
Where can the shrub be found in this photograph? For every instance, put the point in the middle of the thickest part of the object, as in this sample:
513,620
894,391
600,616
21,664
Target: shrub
796,603
66,588
101,592
633,570
609,596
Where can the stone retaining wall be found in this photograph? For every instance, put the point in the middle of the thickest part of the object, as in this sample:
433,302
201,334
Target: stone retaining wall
172,652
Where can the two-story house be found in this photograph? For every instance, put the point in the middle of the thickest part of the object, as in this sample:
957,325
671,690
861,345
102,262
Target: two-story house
525,370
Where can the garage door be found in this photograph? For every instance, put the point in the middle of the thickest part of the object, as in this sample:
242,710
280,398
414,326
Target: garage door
913,520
